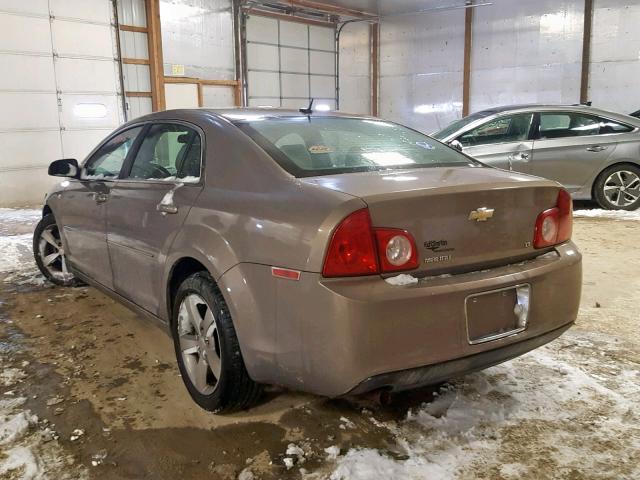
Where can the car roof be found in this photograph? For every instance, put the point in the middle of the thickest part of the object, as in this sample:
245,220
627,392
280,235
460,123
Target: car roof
553,107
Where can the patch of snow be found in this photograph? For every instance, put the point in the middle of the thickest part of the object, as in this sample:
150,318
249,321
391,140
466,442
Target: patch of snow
539,396
401,280
11,376
246,474
288,462
332,452
21,459
16,252
14,426
610,214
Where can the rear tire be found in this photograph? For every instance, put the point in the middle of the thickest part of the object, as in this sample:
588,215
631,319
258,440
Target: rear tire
49,253
618,188
207,348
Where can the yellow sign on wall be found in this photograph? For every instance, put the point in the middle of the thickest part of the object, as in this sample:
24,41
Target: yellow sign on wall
177,69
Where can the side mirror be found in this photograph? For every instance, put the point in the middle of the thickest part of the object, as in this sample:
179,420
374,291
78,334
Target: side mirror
456,144
67,167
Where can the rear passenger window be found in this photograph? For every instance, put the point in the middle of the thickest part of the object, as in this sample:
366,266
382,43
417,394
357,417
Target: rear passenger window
510,128
562,125
168,152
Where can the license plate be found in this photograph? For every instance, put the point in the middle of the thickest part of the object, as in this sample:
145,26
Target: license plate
497,314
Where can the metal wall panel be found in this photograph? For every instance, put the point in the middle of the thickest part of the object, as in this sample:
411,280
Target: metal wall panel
293,34
323,63
23,110
294,60
615,55
527,52
136,78
321,38
36,7
217,97
86,75
138,106
355,64
26,148
262,29
421,61
262,57
134,45
82,39
181,95
132,12
27,73
199,35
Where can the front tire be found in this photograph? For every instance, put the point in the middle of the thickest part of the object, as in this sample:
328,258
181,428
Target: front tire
49,253
618,188
207,348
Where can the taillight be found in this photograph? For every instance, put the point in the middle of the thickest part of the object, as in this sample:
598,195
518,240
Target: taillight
397,249
352,249
554,226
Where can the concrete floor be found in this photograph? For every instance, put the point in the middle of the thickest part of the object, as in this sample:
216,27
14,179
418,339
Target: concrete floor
79,361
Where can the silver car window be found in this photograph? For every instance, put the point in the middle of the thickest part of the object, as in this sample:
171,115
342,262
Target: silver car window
504,129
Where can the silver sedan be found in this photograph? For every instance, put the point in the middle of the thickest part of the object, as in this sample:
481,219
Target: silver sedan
594,153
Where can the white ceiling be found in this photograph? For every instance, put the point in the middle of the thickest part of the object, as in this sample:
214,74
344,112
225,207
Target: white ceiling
390,7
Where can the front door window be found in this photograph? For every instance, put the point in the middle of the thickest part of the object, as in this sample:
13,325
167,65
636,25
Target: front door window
108,160
506,129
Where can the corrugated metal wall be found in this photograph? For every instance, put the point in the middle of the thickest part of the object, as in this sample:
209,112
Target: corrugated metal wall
355,69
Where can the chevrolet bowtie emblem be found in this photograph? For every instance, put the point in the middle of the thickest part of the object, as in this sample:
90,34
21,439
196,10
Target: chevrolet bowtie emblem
481,215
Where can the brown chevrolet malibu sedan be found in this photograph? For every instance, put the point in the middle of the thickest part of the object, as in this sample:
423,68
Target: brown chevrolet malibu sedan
328,253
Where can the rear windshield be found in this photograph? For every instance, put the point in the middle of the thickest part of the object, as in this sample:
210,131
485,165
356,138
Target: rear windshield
311,146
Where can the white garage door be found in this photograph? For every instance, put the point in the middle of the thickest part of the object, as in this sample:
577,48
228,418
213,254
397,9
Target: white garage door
288,63
60,89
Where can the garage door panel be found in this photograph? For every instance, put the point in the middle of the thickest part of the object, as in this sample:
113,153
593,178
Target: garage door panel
324,87
90,10
294,60
294,34
262,29
134,45
295,85
90,111
27,72
263,84
82,75
97,40
12,186
21,149
262,57
323,62
321,38
79,143
13,38
37,7
28,110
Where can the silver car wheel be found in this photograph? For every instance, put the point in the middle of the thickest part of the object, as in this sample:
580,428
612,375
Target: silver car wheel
51,252
199,343
622,188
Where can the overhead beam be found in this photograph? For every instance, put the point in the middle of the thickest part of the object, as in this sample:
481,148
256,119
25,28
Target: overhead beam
288,17
331,9
156,67
586,50
466,68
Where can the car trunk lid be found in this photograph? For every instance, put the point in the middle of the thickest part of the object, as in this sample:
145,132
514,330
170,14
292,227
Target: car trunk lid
462,218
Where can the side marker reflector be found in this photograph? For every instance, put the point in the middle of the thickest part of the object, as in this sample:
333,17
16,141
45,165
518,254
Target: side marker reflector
285,273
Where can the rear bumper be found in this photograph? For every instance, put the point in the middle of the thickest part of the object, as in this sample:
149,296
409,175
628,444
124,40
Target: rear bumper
433,374
337,336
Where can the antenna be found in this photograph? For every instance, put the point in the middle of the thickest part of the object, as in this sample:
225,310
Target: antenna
309,109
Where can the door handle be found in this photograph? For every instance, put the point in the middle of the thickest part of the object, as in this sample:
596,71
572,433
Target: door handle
596,148
100,197
524,156
165,208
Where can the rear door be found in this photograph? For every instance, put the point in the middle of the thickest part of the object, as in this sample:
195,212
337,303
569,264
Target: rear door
571,146
84,203
502,142
149,204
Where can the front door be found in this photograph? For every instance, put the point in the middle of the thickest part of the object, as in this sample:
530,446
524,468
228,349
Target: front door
84,205
148,206
503,142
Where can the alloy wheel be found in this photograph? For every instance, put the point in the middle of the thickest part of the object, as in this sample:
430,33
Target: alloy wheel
622,188
52,254
199,343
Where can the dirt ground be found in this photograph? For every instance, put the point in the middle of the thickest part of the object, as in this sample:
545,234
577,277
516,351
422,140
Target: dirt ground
82,361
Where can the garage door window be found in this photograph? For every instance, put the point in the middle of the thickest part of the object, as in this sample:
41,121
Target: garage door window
168,152
108,160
